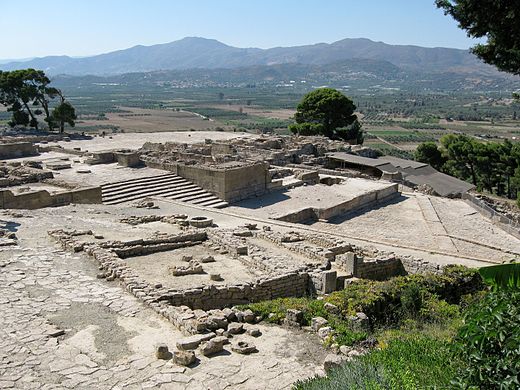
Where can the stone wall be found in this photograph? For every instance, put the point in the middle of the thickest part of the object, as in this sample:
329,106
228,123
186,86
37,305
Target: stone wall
230,184
206,297
211,297
193,310
365,200
374,269
299,216
127,158
39,199
384,266
17,150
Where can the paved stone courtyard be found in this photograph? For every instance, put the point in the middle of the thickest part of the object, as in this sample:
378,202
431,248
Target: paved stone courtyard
60,327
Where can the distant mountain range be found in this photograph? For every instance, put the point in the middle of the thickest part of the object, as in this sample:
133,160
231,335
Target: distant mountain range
201,53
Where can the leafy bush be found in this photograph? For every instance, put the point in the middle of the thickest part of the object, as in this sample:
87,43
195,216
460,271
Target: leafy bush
385,302
410,361
489,343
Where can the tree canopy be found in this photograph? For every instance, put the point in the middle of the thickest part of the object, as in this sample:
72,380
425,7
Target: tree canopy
490,166
27,94
327,112
495,20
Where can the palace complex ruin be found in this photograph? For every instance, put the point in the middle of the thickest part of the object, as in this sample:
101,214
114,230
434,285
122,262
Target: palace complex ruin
159,241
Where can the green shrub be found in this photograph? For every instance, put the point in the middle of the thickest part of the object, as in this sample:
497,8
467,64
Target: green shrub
435,310
489,343
408,362
274,311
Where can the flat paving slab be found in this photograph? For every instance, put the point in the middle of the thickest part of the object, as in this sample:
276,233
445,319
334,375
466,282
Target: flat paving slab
315,196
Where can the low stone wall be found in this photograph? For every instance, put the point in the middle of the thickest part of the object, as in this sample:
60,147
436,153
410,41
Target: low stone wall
322,250
17,150
373,269
300,216
414,265
180,306
40,199
102,157
211,297
365,200
498,219
384,266
199,309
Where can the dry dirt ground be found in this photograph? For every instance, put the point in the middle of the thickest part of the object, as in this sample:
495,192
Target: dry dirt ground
258,111
230,269
108,336
136,140
148,120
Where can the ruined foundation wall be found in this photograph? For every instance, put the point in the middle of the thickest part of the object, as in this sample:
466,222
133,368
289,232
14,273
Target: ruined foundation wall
17,150
245,182
39,199
384,267
229,184
211,297
364,200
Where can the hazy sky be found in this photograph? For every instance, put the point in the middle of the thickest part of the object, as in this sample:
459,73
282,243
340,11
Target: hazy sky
86,27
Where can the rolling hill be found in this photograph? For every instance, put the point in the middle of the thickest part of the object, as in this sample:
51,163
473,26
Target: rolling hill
201,53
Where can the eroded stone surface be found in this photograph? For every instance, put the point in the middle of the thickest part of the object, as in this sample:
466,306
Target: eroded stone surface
60,324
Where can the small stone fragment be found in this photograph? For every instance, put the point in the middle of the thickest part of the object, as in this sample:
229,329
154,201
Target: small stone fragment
215,277
255,332
235,328
317,323
248,316
207,259
212,347
243,348
184,358
162,352
332,361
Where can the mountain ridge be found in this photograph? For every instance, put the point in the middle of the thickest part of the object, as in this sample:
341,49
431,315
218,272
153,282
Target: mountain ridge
203,53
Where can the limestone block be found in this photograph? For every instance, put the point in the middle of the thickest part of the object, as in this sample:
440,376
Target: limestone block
194,341
235,328
333,361
325,332
184,358
212,347
329,281
162,352
243,348
317,323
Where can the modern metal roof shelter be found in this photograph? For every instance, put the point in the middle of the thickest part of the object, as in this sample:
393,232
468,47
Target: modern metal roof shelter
413,173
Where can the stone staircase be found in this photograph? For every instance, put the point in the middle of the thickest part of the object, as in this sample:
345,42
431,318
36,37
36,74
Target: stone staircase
169,186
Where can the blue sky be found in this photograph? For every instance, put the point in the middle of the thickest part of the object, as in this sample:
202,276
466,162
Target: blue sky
86,27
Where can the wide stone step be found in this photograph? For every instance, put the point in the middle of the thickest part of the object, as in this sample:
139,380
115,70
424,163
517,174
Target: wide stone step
149,188
204,199
152,185
219,205
126,183
143,194
187,194
169,186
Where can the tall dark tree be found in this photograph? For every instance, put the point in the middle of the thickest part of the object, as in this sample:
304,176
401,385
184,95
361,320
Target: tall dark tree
496,20
25,93
327,112
429,153
64,113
